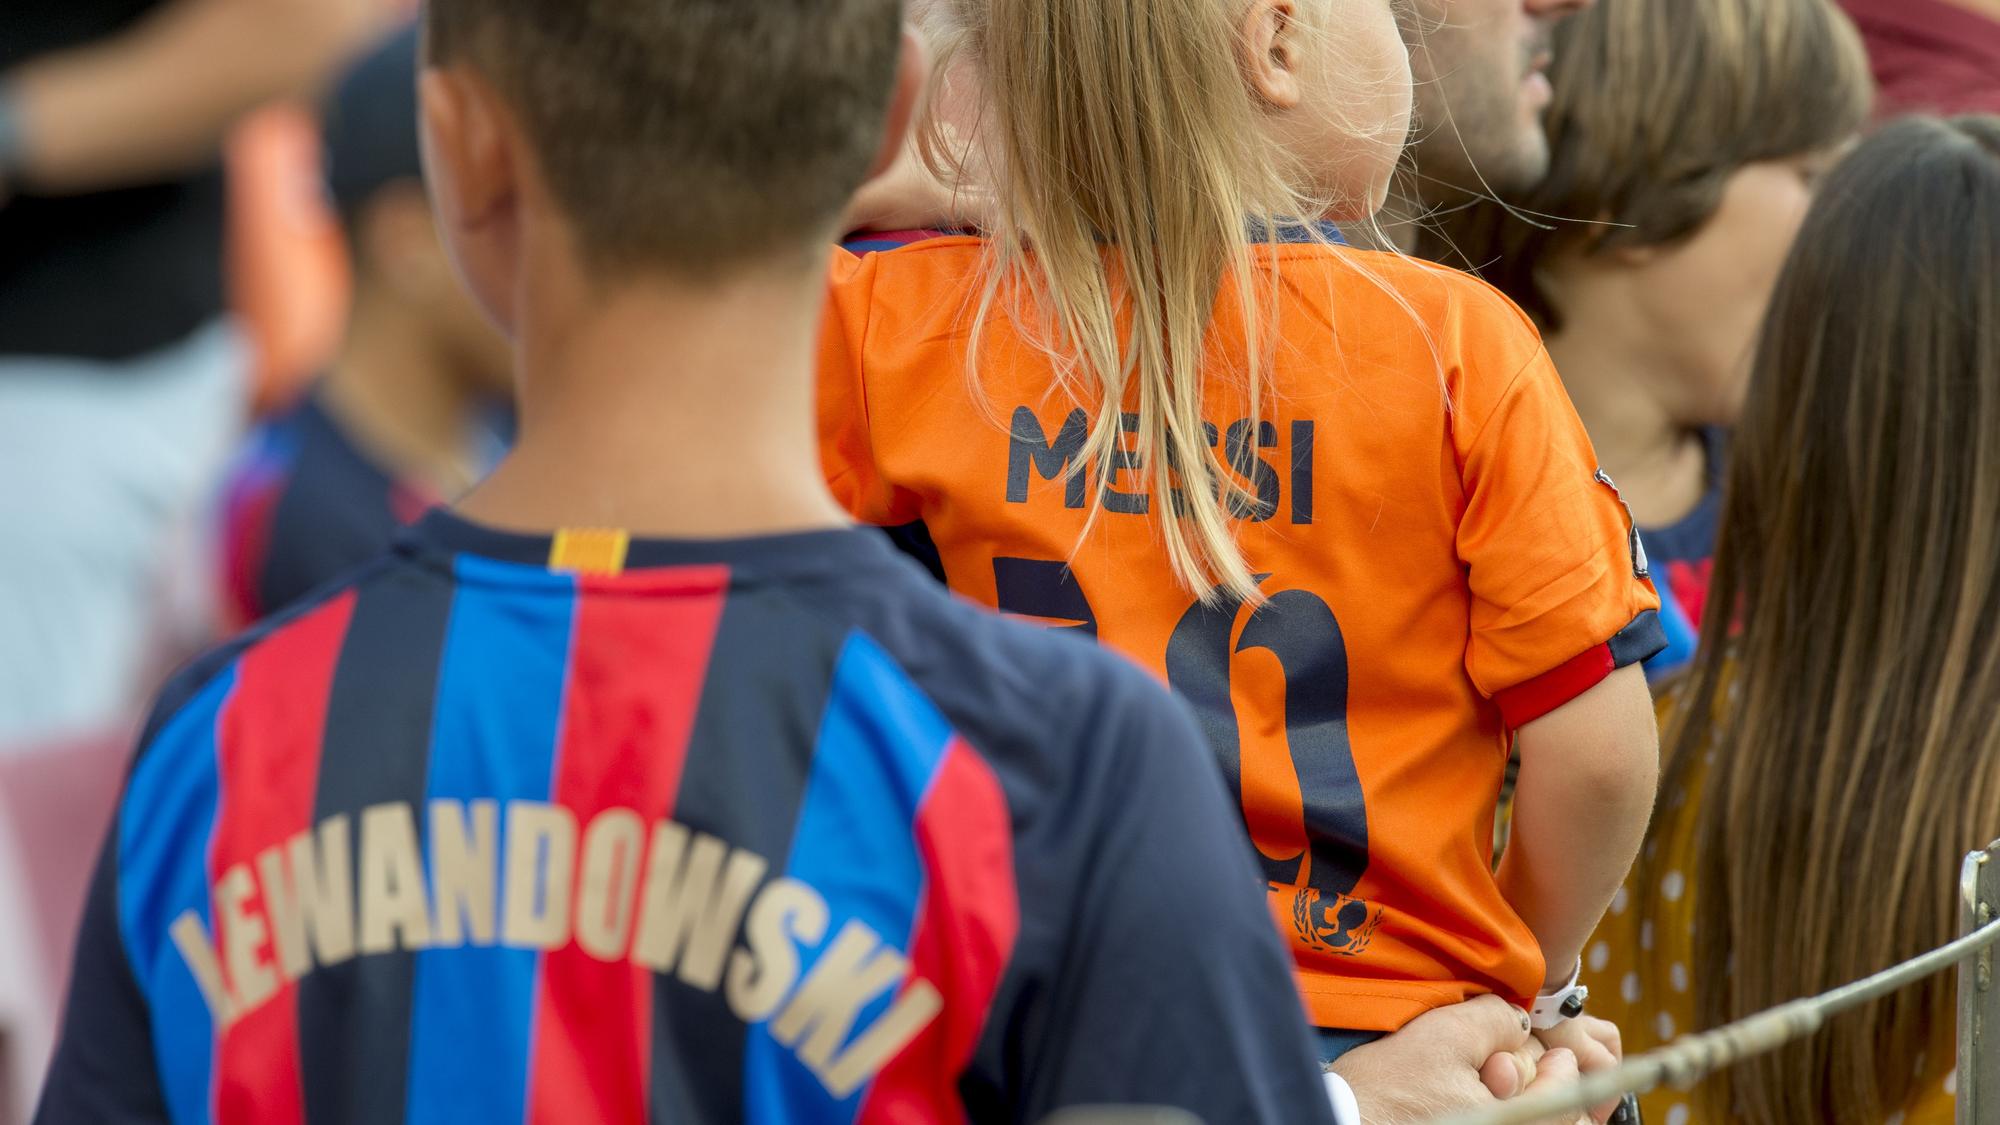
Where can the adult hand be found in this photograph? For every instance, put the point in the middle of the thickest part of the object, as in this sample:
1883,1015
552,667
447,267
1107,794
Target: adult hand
1534,1069
1449,1060
1595,1044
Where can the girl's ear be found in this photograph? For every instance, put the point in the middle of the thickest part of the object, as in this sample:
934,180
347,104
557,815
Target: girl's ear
1269,51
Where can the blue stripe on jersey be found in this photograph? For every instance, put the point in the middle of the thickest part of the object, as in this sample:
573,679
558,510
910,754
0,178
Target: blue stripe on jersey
499,712
880,745
1683,634
174,790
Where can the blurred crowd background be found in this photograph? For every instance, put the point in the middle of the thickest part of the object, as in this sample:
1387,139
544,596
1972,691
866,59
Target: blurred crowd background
233,359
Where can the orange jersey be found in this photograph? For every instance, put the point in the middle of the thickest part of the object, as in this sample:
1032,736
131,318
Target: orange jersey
1445,564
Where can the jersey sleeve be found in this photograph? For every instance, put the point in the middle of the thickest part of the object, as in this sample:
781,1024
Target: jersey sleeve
132,1002
1173,990
104,1068
1561,594
846,441
246,513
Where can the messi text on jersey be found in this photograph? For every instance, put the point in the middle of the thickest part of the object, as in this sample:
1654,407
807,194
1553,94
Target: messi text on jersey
1260,492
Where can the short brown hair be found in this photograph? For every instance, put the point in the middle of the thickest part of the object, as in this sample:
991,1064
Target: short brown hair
688,135
1657,104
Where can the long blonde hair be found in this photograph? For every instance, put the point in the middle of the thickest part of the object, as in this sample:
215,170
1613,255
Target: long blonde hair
1128,165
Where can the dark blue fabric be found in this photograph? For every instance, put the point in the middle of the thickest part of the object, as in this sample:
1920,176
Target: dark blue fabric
338,509
1335,1042
1292,233
914,540
1286,233
355,1018
1639,641
337,506
1681,553
1139,903
371,125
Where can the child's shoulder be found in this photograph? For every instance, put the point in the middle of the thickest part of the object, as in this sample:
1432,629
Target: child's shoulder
906,270
1439,295
314,623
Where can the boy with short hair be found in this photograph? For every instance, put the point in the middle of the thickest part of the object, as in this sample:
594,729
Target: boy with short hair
412,410
642,786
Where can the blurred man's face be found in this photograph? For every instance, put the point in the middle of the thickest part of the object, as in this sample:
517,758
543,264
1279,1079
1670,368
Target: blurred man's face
1481,92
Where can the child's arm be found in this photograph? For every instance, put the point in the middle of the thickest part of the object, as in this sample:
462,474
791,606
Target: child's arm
1589,773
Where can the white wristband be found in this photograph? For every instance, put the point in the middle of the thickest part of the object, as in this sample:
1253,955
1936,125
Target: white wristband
1346,1111
1562,1005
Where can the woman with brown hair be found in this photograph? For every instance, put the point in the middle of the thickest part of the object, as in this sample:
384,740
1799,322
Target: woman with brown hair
1685,137
1837,749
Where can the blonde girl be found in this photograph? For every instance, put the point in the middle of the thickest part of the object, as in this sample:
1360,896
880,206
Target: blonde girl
1337,500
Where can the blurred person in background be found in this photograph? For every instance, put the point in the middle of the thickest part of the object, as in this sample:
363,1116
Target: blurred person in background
1648,252
120,378
410,412
1481,94
1935,56
1835,756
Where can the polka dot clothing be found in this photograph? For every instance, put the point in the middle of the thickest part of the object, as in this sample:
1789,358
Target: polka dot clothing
1641,974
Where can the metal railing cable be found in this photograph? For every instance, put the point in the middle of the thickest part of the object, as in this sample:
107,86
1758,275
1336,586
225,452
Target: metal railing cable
1689,1059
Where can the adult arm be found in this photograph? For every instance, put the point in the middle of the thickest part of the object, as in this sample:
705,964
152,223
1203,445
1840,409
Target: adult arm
158,98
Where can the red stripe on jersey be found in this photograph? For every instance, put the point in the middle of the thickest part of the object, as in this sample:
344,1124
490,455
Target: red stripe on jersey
247,547
1522,705
1691,581
963,939
408,501
637,665
268,757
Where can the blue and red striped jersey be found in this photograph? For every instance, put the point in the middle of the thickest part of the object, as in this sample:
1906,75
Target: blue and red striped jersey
1682,556
304,504
582,828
